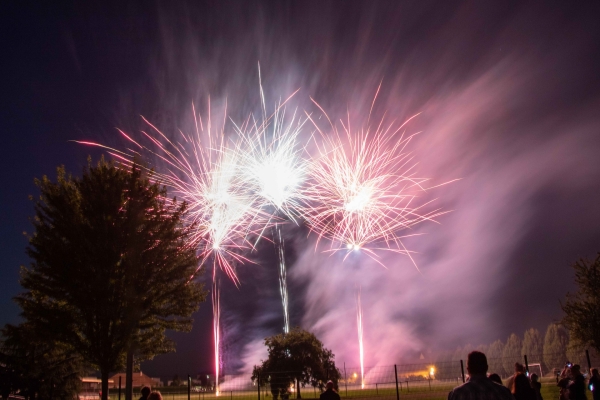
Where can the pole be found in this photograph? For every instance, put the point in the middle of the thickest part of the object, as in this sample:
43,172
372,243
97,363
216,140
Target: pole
462,370
376,390
407,387
396,375
346,378
189,386
119,387
587,355
258,384
430,383
526,364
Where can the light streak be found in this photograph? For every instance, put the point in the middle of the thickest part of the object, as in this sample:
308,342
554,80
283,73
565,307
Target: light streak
283,280
216,332
359,324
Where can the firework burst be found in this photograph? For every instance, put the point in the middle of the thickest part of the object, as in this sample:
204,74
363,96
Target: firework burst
206,175
363,192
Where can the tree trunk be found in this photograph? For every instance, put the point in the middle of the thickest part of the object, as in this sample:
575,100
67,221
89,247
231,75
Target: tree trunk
298,396
129,376
104,375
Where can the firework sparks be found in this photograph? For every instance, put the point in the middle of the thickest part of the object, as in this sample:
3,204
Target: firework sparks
273,169
206,175
363,189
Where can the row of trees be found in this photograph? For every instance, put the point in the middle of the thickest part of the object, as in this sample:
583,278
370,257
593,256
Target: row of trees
551,351
113,266
578,331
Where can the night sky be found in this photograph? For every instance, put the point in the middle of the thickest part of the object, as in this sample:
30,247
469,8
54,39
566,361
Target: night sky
509,96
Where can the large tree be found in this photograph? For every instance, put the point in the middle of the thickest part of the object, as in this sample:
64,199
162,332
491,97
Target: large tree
297,357
113,265
555,346
582,309
494,356
533,346
511,353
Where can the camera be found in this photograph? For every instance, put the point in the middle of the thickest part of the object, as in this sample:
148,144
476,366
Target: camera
568,365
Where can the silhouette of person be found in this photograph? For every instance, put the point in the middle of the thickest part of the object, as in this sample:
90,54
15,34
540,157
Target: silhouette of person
145,392
519,369
537,386
155,395
329,393
595,383
577,385
495,378
479,386
522,389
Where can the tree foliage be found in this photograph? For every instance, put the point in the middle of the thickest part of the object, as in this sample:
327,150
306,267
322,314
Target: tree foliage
556,341
494,356
532,345
511,353
296,357
582,309
112,265
36,367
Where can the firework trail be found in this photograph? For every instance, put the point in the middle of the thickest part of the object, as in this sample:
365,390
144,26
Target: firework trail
363,189
273,169
283,281
359,324
216,326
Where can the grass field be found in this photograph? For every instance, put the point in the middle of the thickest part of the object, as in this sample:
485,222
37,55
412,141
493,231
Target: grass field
423,390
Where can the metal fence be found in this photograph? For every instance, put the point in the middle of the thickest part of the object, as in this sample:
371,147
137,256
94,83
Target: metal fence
427,380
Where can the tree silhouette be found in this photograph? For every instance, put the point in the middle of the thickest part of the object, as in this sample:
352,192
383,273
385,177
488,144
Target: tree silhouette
555,346
297,357
112,267
582,309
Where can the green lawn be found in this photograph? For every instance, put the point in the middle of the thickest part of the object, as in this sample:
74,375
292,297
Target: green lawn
424,390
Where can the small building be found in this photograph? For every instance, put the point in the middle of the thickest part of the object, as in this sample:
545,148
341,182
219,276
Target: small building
91,387
139,380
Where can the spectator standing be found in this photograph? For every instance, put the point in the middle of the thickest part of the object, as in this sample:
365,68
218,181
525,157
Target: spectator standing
522,389
155,395
145,392
519,369
479,386
577,385
595,383
537,386
329,393
495,378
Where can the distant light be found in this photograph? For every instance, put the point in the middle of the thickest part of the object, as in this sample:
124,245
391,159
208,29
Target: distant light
355,375
349,246
431,371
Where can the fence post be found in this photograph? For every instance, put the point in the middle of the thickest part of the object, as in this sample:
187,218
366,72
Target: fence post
396,375
587,355
376,390
189,386
430,384
407,389
258,383
526,364
462,370
119,387
346,379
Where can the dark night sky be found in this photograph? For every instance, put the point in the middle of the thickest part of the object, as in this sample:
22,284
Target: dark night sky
509,94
